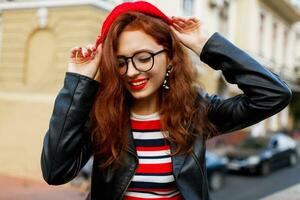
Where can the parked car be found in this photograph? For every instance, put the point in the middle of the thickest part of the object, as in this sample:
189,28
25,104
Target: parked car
263,154
216,170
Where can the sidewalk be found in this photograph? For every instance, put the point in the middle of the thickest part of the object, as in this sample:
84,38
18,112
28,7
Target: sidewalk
21,189
291,193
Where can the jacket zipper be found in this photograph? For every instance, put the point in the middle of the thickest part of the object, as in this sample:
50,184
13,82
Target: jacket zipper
128,183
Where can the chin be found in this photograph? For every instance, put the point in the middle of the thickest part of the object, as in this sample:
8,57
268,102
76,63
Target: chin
148,92
139,95
144,94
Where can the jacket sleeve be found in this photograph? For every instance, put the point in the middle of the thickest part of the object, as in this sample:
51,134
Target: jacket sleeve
264,93
66,146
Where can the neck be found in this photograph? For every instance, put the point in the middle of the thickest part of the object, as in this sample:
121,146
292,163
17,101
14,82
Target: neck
145,106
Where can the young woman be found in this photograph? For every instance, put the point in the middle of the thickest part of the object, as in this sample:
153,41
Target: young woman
143,117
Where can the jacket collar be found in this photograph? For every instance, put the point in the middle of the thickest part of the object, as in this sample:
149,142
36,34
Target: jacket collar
177,160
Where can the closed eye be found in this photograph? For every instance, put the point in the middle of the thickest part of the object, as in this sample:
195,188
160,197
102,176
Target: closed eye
144,59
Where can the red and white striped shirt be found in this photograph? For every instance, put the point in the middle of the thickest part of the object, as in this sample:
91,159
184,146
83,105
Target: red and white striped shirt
154,176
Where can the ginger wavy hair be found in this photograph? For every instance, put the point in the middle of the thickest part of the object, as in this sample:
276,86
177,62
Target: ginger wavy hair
183,114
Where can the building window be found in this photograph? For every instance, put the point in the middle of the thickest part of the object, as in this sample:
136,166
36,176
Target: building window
285,45
297,59
297,49
261,33
188,7
223,18
274,41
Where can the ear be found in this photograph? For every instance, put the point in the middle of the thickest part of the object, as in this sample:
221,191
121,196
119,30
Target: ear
170,64
170,67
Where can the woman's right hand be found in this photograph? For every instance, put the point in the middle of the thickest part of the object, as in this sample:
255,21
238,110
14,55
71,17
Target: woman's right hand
84,60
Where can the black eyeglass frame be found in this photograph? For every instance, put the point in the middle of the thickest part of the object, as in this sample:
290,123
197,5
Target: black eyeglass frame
153,54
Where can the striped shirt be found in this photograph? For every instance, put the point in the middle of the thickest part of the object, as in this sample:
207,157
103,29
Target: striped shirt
154,176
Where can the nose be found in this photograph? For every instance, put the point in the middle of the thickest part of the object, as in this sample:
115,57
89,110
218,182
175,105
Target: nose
131,70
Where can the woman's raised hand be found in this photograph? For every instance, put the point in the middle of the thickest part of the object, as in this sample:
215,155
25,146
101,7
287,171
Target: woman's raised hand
85,60
190,33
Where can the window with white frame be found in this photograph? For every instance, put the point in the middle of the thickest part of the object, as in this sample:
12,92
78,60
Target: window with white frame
274,41
297,47
188,7
285,45
261,32
223,18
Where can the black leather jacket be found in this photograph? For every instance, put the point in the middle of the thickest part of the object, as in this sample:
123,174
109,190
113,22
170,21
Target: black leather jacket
66,148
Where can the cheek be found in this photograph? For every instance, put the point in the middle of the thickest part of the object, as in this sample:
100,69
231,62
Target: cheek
161,77
159,70
158,77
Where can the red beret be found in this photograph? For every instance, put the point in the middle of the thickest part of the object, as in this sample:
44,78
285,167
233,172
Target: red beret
140,6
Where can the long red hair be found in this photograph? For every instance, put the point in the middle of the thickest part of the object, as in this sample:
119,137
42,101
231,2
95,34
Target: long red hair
180,107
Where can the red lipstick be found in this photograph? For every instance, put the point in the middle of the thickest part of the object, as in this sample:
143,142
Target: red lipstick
138,84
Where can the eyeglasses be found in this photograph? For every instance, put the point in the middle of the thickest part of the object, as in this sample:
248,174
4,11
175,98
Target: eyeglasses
142,61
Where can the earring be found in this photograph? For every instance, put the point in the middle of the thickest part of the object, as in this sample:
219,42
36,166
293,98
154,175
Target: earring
166,81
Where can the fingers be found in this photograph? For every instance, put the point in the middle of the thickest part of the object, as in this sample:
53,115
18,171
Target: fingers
73,51
173,29
178,19
177,28
195,19
185,24
82,54
181,20
76,55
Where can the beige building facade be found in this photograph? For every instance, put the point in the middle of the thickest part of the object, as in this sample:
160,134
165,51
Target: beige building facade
36,36
267,30
36,39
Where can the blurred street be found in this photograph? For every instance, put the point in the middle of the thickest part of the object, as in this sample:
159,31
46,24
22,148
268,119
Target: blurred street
237,187
247,187
250,187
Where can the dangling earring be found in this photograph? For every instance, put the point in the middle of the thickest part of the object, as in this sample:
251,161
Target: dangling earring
166,85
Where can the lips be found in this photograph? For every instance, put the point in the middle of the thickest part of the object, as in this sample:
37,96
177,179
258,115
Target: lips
138,84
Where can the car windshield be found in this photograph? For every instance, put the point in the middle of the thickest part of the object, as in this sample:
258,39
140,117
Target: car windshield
254,143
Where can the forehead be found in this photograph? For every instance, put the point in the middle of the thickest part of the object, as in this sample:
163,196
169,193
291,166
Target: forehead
132,41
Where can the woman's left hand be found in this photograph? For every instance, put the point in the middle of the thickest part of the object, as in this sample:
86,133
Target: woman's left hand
190,33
